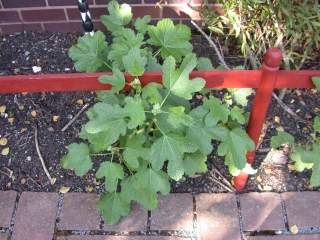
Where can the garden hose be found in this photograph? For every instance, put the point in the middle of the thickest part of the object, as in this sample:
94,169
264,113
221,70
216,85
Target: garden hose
85,16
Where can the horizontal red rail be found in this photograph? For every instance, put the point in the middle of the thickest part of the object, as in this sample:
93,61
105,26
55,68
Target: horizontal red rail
89,81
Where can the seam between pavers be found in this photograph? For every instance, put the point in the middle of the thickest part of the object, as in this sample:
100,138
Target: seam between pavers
284,212
151,233
13,216
58,213
148,220
242,234
194,219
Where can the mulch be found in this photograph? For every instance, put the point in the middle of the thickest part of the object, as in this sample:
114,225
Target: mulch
21,170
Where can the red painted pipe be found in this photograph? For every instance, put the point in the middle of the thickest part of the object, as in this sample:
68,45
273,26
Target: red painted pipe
89,81
260,106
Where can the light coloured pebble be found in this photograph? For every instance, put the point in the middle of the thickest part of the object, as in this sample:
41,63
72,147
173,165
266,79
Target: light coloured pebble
36,69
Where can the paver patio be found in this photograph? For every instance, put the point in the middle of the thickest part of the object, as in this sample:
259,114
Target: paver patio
225,216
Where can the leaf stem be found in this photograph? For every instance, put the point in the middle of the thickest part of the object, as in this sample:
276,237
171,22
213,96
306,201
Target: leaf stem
105,63
156,53
165,98
162,132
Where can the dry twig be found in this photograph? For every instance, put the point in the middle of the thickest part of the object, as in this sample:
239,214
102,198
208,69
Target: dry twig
216,180
287,109
52,180
226,182
221,59
75,117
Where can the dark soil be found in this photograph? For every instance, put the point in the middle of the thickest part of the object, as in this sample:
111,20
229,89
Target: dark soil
21,169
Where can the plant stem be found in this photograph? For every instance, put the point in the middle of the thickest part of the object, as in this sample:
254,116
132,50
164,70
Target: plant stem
165,98
105,63
156,53
162,132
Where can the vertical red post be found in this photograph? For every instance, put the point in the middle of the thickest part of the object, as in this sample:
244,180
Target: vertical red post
260,106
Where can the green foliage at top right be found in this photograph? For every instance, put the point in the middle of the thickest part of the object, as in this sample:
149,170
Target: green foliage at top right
292,25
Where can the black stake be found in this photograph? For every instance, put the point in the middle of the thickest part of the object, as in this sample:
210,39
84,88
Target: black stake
85,16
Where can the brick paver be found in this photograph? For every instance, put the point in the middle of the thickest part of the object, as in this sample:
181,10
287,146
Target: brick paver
261,211
121,238
302,208
35,216
174,212
136,221
291,237
217,216
79,212
7,202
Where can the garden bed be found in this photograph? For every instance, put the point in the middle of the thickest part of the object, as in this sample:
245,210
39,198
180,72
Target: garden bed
50,112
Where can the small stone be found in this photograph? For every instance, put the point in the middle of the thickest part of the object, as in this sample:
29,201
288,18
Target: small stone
28,158
5,151
55,118
21,107
36,69
64,189
199,97
69,116
3,141
314,91
23,130
50,129
3,109
23,181
89,189
34,113
294,229
26,53
298,110
80,102
291,167
11,120
305,130
277,119
268,171
316,109
259,179
267,188
280,129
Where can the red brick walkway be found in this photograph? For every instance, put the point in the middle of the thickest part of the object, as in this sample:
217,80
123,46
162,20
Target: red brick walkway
252,216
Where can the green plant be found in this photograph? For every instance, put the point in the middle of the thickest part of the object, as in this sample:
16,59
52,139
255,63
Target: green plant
149,135
257,25
308,156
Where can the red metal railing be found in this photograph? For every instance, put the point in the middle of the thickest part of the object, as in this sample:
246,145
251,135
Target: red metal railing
266,79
